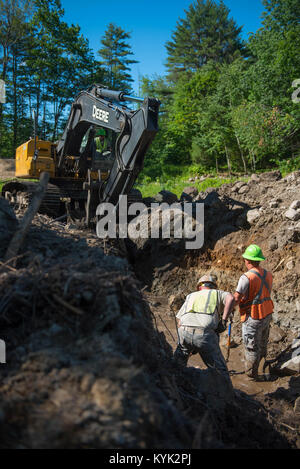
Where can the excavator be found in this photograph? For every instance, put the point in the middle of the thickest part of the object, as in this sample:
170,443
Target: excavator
82,173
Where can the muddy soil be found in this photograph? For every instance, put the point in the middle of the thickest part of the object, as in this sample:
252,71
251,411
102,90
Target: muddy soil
276,398
90,337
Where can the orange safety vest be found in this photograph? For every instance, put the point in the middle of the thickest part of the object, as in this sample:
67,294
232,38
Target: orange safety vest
258,304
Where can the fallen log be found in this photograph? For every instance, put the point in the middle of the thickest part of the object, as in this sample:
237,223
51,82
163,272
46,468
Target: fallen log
20,234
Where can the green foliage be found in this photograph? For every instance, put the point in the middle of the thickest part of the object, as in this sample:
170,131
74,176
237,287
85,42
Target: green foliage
205,34
230,112
287,166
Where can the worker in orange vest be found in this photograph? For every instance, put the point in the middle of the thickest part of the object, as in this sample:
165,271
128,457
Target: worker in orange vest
253,295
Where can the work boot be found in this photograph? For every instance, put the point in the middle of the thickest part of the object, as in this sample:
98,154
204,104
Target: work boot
251,369
180,357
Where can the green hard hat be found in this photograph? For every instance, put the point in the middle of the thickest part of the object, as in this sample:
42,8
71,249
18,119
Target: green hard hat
253,253
100,132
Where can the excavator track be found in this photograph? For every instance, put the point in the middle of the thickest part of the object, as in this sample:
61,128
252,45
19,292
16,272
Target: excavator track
20,193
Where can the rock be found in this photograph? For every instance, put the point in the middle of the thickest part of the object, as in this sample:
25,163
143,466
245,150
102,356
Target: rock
296,343
271,176
191,191
212,200
238,185
291,178
176,301
296,352
286,236
297,406
276,334
292,214
61,397
290,264
148,201
273,244
71,226
292,366
253,215
87,382
166,196
273,204
241,221
198,198
107,395
185,197
295,205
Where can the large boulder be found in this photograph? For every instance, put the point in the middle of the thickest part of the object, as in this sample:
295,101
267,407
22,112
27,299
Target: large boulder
292,366
253,216
190,191
270,176
166,197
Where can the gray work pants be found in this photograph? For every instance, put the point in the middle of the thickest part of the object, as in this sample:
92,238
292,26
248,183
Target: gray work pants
255,337
202,341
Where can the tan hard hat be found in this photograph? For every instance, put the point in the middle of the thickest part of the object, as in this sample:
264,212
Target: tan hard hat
208,279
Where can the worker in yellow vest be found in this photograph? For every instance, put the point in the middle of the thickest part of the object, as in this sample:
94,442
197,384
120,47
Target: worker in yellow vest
201,318
253,295
100,140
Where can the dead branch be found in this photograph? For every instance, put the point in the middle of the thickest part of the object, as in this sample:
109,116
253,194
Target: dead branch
19,235
67,305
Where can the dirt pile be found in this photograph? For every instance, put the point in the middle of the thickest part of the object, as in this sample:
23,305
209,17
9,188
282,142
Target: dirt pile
78,372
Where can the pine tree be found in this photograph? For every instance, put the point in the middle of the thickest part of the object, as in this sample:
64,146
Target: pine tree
206,33
115,54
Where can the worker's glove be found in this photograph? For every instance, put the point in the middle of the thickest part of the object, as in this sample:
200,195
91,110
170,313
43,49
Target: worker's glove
222,326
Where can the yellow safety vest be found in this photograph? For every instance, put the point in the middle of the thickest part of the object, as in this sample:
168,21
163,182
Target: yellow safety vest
205,302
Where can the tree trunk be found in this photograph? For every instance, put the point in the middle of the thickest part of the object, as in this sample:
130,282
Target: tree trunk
228,161
15,102
242,154
253,160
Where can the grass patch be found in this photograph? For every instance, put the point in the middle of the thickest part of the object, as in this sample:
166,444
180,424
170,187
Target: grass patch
176,185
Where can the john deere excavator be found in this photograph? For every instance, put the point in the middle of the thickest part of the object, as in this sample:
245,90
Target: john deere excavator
84,172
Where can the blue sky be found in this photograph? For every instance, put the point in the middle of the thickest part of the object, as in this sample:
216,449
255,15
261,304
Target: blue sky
150,23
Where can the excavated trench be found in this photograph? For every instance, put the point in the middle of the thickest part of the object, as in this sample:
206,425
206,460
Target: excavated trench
90,332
